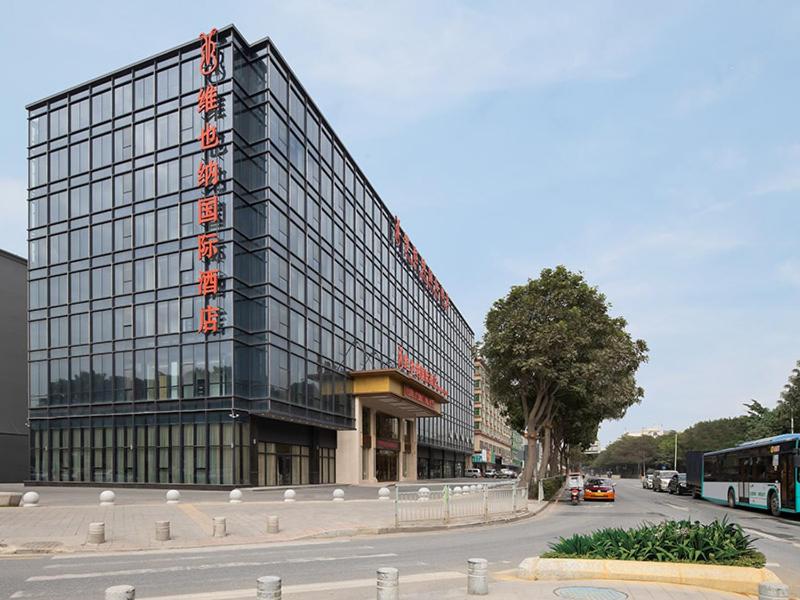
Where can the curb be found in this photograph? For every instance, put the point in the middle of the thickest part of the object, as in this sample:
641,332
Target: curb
741,580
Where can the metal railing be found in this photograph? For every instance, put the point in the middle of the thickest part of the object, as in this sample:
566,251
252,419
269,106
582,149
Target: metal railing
451,503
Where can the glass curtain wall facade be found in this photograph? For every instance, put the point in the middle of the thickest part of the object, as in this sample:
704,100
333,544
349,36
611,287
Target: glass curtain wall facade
123,387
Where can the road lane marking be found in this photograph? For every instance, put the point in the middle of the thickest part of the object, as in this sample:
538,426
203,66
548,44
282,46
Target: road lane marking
764,535
142,559
206,567
311,587
772,565
203,550
683,508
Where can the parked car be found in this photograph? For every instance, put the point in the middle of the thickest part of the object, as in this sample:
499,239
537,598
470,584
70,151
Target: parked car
661,480
678,484
597,488
508,473
647,481
474,473
490,473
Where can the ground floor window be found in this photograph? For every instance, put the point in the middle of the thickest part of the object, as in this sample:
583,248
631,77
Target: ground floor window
146,451
327,465
283,464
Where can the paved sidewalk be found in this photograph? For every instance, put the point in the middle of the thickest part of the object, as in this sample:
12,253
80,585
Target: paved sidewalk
58,526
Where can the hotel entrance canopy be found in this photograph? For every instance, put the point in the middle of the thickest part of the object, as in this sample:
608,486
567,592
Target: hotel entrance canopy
403,395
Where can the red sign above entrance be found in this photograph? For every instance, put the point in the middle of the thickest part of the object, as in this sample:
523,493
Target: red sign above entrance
420,398
417,371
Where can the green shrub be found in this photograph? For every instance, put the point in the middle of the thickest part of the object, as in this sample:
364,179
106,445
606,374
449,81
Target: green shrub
551,486
716,543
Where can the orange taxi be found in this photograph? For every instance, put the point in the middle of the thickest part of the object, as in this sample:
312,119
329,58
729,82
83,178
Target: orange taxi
599,489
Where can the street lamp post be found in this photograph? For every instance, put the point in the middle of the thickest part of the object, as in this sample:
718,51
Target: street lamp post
675,460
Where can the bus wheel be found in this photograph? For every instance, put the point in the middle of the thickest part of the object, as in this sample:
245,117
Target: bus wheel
774,505
731,499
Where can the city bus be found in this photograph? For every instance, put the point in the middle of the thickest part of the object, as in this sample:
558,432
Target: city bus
760,474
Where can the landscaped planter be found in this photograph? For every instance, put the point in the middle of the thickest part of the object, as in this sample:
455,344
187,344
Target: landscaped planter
742,580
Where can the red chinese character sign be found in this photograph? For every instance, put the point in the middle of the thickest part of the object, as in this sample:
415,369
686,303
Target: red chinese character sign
208,180
418,265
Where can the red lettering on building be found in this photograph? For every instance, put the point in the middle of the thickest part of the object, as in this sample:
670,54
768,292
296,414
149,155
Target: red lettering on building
209,319
208,209
417,371
419,266
420,398
209,58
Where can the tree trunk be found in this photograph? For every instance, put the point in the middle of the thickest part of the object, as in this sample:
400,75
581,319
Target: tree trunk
530,459
545,458
555,457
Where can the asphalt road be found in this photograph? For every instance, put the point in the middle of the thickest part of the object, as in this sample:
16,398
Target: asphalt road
208,573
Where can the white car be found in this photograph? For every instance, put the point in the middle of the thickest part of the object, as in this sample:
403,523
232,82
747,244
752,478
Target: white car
475,473
491,473
508,473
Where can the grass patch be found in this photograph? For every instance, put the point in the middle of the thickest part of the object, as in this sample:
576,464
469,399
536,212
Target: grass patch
715,543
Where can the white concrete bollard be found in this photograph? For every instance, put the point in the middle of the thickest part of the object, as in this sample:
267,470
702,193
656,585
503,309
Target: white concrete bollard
97,533
388,584
272,524
457,490
173,497
268,588
423,494
288,496
30,499
235,497
107,498
338,495
162,531
773,591
384,494
477,577
121,592
219,527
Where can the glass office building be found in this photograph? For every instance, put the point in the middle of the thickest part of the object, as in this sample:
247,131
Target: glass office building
336,356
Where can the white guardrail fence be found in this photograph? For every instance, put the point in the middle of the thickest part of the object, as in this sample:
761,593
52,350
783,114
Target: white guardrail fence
451,503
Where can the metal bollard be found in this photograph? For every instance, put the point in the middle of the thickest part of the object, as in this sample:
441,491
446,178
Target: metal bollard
388,583
97,533
219,527
272,524
162,531
268,588
121,592
477,578
773,591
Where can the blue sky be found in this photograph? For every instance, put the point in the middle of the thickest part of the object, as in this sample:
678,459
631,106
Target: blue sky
655,147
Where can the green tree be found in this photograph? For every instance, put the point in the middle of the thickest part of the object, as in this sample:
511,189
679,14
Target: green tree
552,341
629,454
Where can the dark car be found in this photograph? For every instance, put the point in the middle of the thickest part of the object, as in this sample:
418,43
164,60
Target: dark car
678,485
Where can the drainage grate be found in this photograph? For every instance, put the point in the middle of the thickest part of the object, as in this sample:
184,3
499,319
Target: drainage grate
590,593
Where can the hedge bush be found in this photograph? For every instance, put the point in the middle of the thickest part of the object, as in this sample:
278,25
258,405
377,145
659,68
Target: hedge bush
716,543
551,486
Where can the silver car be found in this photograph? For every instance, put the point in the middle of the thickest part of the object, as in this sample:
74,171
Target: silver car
661,480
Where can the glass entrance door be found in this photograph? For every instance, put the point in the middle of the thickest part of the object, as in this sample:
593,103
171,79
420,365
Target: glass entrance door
386,465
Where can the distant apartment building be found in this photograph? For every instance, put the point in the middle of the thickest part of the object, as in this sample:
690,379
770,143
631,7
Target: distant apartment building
654,431
13,358
493,437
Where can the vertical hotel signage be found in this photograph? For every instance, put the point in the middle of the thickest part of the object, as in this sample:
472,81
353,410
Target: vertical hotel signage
418,265
208,213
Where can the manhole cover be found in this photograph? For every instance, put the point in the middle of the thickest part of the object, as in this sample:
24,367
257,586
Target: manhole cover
590,593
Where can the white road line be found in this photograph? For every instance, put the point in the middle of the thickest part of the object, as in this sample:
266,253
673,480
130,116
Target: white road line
772,565
311,587
147,559
205,550
182,568
683,508
764,535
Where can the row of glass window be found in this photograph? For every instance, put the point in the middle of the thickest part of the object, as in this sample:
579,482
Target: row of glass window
203,453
